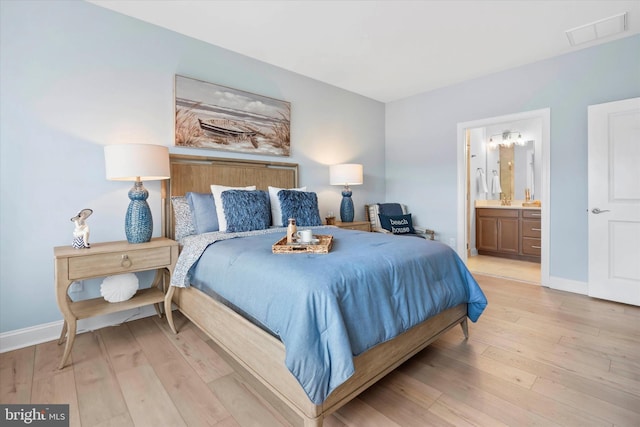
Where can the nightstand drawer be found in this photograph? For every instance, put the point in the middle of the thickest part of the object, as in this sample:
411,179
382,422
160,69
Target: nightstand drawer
355,225
106,264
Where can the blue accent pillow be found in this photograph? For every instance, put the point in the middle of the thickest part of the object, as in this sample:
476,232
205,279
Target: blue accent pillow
397,224
203,212
301,205
246,210
390,209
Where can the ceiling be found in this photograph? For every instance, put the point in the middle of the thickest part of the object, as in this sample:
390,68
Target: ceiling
385,50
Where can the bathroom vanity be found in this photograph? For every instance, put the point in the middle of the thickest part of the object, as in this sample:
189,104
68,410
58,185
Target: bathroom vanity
509,232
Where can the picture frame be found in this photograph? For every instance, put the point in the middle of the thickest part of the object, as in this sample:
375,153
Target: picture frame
212,116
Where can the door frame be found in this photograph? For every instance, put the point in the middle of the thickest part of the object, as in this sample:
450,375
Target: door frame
544,115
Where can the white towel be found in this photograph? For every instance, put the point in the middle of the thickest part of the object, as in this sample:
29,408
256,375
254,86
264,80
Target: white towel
495,185
482,182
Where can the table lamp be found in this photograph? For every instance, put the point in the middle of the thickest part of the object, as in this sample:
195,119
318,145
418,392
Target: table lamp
137,162
346,174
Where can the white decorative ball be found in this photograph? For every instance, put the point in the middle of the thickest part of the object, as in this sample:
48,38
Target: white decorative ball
119,288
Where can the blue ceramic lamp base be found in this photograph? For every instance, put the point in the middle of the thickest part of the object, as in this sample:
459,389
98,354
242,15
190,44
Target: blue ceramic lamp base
138,224
346,207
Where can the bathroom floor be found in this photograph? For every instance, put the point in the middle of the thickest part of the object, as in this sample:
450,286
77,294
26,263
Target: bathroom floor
502,267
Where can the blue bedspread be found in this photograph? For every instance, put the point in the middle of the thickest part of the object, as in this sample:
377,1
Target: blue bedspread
327,308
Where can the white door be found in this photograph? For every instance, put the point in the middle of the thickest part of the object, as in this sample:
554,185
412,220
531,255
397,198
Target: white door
614,201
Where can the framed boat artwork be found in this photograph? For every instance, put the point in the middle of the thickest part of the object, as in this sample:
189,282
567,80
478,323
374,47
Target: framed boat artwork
221,118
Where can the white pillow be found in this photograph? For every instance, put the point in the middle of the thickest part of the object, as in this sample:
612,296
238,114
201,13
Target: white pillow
217,190
276,210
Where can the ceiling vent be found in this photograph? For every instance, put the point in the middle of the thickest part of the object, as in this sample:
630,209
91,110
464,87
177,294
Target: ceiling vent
598,29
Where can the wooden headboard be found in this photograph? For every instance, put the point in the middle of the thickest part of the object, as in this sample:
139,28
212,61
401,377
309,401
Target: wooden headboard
197,173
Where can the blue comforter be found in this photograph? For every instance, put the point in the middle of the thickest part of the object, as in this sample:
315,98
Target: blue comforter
327,308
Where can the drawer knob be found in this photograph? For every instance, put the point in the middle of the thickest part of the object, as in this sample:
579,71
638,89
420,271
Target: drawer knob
126,261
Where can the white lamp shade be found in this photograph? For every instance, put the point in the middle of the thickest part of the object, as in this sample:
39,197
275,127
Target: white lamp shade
347,174
128,162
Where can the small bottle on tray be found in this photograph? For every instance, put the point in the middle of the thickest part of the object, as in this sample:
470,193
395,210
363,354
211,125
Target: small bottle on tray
292,229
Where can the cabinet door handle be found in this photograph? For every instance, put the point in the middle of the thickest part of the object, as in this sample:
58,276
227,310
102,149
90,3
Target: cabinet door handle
126,262
536,247
536,229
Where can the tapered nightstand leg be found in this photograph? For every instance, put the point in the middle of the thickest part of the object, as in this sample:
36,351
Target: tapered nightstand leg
63,333
167,308
157,281
71,326
158,309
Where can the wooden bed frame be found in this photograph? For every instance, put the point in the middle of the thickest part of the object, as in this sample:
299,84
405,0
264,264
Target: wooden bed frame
259,354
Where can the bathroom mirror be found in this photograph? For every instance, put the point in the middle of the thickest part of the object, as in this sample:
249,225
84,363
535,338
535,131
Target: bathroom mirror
506,158
515,168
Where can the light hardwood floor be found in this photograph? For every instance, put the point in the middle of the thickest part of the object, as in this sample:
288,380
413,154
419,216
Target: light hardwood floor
524,271
536,357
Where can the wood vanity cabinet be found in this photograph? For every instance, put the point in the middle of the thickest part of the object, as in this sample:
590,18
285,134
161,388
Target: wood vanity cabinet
509,233
497,231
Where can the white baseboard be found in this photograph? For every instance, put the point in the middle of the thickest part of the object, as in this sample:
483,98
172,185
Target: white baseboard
38,334
569,285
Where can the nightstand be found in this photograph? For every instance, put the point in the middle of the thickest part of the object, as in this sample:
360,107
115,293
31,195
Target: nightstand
355,225
106,259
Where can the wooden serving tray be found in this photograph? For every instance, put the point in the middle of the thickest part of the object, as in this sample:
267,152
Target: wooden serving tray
322,247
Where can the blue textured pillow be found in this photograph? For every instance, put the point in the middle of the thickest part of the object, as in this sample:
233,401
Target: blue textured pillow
203,212
246,210
301,205
397,224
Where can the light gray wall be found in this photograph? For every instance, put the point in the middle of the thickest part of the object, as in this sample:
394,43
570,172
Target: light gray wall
421,138
75,77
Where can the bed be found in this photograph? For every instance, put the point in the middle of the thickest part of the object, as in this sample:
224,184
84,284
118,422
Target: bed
252,340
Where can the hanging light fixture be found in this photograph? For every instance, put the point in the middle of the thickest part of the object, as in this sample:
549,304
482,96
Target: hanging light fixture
507,138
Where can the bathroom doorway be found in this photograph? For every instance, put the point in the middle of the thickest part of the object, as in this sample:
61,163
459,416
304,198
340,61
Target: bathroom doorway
505,157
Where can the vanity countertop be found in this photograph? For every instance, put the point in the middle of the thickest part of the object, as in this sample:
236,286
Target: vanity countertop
495,204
